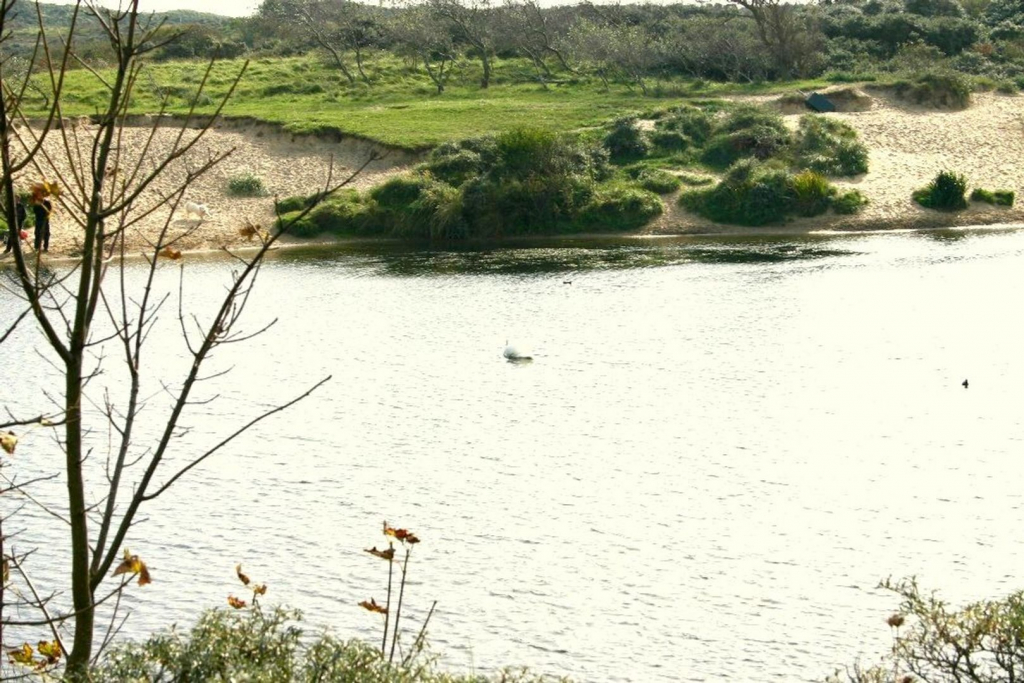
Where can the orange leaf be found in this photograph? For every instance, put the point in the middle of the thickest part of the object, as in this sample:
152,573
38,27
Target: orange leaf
144,577
401,535
259,589
241,577
173,254
373,606
388,554
23,655
8,441
235,602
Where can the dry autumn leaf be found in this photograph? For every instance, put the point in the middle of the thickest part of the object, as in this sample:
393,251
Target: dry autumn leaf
401,535
259,589
8,441
373,606
131,564
173,254
388,554
22,655
241,577
237,603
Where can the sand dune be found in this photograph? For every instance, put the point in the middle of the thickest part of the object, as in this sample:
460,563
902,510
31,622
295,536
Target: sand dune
908,146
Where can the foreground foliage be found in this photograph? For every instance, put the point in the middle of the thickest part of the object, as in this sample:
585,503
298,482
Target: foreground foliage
269,646
946,192
982,642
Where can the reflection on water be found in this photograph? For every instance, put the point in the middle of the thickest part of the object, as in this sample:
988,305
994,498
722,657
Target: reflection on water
721,447
566,255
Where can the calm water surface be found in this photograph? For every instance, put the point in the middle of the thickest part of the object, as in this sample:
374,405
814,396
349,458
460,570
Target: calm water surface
720,449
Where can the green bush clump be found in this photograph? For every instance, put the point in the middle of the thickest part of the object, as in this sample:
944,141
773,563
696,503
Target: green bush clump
695,180
759,194
669,140
345,213
626,140
657,180
296,203
453,164
938,89
618,207
746,132
849,202
246,185
996,197
692,123
946,192
829,146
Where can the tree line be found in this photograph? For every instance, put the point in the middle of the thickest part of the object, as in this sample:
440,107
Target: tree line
735,41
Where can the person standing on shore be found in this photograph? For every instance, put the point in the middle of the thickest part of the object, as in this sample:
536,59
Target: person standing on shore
42,209
15,232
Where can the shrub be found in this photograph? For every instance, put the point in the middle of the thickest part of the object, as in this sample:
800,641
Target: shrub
812,193
746,132
945,192
830,147
693,123
399,192
939,88
246,185
932,641
618,207
454,166
297,203
755,194
849,202
695,180
669,140
268,646
658,181
626,140
998,197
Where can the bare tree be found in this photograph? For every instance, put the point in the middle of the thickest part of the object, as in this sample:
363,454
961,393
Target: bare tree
528,30
471,22
784,31
337,26
421,35
105,180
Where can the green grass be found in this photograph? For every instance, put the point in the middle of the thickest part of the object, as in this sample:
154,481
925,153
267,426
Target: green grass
400,108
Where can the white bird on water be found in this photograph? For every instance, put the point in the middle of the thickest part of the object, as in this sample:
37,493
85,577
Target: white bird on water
515,354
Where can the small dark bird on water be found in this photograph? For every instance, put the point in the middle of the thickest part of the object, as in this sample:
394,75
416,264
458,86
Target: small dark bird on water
965,384
566,282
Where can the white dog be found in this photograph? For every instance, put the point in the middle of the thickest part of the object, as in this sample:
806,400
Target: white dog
199,211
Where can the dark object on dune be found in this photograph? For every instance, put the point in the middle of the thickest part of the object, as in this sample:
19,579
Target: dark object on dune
820,103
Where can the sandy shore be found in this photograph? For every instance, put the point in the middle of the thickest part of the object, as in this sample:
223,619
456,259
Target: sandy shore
908,146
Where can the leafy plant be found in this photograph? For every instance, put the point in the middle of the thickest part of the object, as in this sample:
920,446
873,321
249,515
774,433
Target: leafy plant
657,180
946,192
982,642
829,146
849,202
997,197
626,140
246,185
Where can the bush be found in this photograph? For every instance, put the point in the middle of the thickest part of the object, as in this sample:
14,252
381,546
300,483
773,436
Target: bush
946,192
246,185
746,132
830,147
268,647
693,123
619,207
998,197
297,203
454,166
940,89
755,194
626,140
658,181
669,140
980,642
849,202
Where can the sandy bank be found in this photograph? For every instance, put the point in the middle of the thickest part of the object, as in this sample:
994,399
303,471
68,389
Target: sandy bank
908,146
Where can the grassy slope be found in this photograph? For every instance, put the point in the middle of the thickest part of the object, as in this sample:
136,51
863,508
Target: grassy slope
401,107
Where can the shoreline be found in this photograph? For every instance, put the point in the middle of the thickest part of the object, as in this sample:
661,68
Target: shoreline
908,146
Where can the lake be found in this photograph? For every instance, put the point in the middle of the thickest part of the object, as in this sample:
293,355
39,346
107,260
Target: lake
719,450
